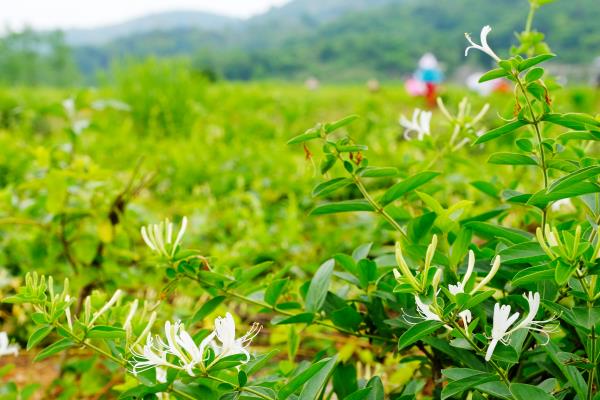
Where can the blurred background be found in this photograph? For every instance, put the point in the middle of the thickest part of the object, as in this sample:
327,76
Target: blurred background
69,42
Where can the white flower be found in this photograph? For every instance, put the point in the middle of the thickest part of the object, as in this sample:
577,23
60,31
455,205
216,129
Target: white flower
153,355
115,297
502,321
161,375
159,237
178,343
5,347
181,345
229,345
484,45
419,124
460,286
425,312
465,315
495,267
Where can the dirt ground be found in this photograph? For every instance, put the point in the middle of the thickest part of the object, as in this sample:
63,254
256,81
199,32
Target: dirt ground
26,372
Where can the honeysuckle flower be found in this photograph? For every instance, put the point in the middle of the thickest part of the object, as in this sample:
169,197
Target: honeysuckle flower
419,125
116,296
484,47
177,343
424,311
502,321
404,274
5,347
68,312
159,237
460,286
465,315
153,355
181,345
229,344
489,276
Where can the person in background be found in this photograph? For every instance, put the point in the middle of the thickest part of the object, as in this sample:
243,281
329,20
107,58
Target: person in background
426,79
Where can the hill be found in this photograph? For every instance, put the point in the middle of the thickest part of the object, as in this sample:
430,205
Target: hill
355,39
335,40
166,21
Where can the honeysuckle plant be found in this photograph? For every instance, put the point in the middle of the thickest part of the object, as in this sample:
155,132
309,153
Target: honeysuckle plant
466,298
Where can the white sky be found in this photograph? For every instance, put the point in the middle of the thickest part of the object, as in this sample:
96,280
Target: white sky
47,14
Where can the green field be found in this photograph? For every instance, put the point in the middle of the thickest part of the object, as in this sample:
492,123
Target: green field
79,180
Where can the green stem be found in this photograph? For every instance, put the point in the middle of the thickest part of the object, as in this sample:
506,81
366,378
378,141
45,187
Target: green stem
536,126
592,375
378,208
496,367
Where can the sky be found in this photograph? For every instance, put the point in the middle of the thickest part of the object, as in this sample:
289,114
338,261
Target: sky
50,14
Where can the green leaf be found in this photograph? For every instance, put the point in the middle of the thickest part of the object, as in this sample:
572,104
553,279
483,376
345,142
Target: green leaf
315,385
326,163
496,231
532,275
511,159
310,134
325,188
373,391
576,121
228,362
530,62
39,335
242,378
574,177
460,246
500,131
417,332
302,318
378,172
106,332
456,387
571,373
579,135
274,290
487,188
493,74
522,391
563,272
478,298
207,308
406,186
330,127
297,381
342,206
361,251
317,291
54,348
526,252
542,198
534,74
495,388
347,318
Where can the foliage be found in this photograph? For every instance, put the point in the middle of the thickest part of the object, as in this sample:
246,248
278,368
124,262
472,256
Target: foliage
457,260
31,58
